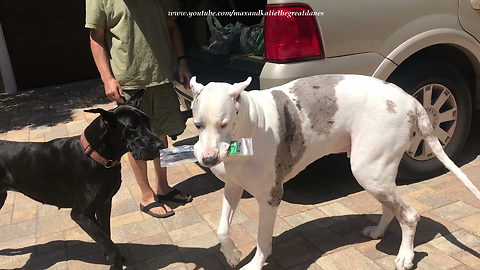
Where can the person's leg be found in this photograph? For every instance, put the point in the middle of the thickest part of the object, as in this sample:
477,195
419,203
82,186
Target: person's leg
139,168
163,187
166,119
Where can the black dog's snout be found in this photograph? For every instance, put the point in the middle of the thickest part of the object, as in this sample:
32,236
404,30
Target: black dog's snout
156,145
159,145
210,161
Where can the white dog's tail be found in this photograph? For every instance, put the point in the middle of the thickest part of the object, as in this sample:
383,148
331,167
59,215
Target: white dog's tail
427,132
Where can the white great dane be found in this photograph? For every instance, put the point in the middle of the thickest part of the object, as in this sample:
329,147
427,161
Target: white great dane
299,122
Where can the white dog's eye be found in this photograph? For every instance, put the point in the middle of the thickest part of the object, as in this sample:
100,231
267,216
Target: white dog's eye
197,125
223,125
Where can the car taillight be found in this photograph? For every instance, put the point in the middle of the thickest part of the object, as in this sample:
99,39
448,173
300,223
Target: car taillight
291,38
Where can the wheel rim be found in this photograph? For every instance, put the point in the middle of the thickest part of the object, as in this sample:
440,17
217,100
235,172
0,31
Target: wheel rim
441,108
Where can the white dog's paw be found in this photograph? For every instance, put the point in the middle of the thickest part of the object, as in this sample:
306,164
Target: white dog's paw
404,260
373,232
232,254
256,263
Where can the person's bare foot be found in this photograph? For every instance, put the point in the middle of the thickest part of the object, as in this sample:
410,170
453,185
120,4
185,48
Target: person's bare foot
156,209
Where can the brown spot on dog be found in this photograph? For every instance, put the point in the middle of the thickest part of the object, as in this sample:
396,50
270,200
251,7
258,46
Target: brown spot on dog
316,96
424,126
292,143
391,106
412,120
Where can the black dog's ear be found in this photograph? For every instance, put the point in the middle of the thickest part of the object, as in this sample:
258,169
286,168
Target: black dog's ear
107,117
136,98
96,110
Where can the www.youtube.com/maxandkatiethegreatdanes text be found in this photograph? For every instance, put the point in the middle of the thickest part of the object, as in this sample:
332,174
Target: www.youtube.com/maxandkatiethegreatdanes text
232,13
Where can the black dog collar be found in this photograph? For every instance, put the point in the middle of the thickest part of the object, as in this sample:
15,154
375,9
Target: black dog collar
107,163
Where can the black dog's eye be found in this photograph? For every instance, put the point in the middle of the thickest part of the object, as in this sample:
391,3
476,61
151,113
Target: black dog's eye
132,126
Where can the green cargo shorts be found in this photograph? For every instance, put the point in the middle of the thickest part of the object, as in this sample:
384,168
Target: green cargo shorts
161,104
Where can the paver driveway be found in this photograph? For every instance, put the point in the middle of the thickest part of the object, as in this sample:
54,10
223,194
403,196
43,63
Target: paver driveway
318,223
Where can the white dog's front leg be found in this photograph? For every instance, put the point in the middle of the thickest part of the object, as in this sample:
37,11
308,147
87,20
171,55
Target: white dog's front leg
231,197
266,223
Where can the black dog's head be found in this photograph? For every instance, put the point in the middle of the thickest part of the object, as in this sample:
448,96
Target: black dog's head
124,129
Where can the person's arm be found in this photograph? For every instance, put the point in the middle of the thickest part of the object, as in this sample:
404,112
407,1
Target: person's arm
113,90
178,49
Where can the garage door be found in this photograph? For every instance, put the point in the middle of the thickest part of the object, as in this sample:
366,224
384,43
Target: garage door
47,41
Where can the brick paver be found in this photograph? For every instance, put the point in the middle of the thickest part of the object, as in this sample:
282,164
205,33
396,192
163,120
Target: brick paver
317,227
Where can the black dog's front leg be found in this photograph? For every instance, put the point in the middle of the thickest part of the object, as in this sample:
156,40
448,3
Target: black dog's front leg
92,228
3,197
103,216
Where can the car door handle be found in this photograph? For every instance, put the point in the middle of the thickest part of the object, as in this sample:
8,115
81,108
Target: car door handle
475,4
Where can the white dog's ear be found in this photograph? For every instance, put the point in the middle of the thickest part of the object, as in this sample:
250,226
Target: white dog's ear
237,88
196,87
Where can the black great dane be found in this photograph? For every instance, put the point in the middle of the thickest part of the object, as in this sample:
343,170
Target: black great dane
81,172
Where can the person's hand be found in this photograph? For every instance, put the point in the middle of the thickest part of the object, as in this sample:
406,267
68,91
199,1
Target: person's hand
184,72
113,90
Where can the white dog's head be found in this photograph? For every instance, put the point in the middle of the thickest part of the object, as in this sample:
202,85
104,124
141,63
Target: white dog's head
215,108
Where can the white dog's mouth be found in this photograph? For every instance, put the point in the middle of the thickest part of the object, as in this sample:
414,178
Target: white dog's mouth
210,166
211,158
211,162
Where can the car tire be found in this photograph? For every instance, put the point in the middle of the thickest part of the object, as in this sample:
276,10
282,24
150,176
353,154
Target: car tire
431,76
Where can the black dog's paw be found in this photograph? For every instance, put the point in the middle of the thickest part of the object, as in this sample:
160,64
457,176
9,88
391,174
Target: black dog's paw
122,258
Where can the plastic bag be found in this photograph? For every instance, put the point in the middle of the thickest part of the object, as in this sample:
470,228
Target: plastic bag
184,153
244,147
250,35
224,40
259,47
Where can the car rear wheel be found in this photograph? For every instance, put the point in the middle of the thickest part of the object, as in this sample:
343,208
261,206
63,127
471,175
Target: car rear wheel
444,92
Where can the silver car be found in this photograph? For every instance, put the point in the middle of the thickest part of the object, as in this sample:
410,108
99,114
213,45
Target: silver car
430,48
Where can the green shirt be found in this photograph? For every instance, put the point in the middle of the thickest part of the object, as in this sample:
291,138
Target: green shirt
137,39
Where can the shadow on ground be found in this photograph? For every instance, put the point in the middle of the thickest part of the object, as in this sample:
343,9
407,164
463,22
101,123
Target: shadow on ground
50,105
298,247
326,179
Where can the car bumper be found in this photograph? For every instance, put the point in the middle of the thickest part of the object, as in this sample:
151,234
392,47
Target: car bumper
277,74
